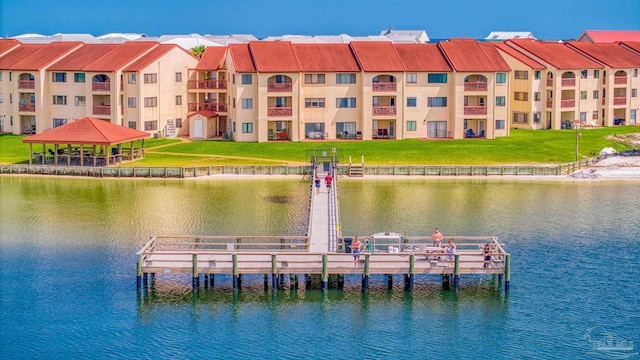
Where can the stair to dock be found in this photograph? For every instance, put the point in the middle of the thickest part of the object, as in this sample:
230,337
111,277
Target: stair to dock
356,170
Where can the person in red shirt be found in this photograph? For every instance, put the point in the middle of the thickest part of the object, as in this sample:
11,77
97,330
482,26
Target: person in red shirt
328,180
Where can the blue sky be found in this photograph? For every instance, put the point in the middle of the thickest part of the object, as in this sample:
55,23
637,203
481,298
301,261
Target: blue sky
547,19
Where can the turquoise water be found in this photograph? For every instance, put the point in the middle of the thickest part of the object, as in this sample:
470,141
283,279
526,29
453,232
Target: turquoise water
67,274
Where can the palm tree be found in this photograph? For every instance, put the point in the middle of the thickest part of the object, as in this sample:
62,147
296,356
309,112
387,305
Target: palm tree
197,51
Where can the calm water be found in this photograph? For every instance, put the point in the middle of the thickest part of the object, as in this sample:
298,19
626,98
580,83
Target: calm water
67,274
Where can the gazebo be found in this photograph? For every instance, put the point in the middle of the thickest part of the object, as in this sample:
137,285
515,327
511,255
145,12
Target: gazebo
86,142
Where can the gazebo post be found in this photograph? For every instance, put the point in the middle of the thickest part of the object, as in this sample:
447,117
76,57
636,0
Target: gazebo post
44,152
81,154
55,156
68,154
30,153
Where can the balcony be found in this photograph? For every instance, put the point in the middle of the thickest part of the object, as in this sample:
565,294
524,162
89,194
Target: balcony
26,84
279,87
207,84
27,107
279,111
475,86
101,86
384,110
549,103
619,80
569,82
567,103
384,86
619,101
549,82
213,106
475,110
101,110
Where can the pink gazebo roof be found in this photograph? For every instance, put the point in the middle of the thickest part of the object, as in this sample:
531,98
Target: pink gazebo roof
87,131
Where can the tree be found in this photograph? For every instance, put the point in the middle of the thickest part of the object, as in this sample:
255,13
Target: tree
197,51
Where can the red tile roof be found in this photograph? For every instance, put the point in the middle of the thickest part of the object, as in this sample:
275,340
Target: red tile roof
8,44
519,56
212,58
494,56
633,45
153,55
44,56
325,57
274,56
374,56
87,131
556,54
206,113
610,36
18,54
241,57
422,57
467,55
121,56
612,55
81,57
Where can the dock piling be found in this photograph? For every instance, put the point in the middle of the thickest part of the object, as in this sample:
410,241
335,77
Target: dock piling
274,272
367,273
234,260
138,272
507,272
195,278
389,281
325,272
456,272
412,271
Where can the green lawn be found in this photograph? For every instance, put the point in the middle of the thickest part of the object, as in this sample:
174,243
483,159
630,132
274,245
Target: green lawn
522,147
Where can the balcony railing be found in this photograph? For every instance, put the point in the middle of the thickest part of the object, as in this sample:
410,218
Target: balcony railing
101,110
619,101
101,86
475,86
26,84
384,110
549,82
213,106
568,103
207,84
620,80
475,110
569,82
27,107
549,103
384,86
279,111
279,87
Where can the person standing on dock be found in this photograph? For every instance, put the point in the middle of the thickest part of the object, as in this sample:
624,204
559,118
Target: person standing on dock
451,250
355,249
317,183
487,255
328,180
437,238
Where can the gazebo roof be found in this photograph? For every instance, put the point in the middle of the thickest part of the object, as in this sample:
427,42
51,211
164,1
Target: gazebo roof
87,131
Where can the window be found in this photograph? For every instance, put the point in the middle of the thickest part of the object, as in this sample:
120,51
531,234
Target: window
178,77
437,102
437,78
59,77
583,95
521,74
633,115
80,101
594,115
132,125
501,78
412,78
179,122
500,100
537,74
411,125
596,74
634,92
499,124
150,102
520,96
412,102
635,74
59,122
178,99
1,99
345,78
520,118
132,102
314,78
346,102
583,117
596,94
537,117
151,125
247,79
314,102
131,78
247,128
347,130
59,100
0,75
78,77
536,96
247,103
150,78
